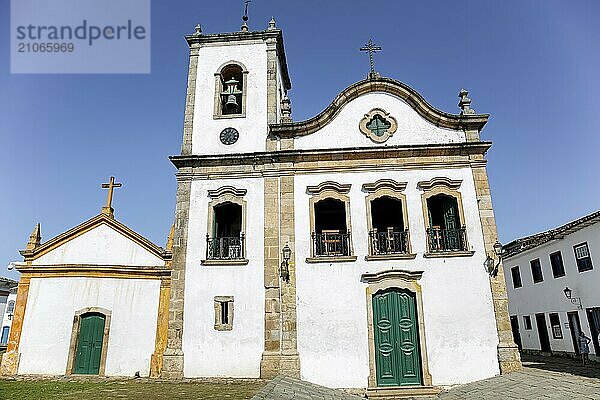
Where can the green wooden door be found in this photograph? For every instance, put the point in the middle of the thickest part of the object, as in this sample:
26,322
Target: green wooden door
397,357
89,344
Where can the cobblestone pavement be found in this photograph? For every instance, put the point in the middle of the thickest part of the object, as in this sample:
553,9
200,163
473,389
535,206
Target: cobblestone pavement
541,378
284,388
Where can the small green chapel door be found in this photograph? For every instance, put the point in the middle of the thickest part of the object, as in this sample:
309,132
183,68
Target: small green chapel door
397,354
89,344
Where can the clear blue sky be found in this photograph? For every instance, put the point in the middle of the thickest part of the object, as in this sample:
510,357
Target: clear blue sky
533,65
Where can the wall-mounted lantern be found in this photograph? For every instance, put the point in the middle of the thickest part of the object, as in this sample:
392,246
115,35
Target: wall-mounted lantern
490,265
574,300
284,272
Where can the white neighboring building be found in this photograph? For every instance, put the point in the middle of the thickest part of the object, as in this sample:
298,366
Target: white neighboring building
7,314
538,270
8,290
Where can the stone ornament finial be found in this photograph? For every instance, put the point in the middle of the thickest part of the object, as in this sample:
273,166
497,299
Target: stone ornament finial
198,30
272,24
244,27
169,245
35,239
465,102
286,109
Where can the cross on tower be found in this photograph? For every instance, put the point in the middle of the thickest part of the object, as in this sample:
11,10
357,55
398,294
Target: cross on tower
111,185
371,48
245,16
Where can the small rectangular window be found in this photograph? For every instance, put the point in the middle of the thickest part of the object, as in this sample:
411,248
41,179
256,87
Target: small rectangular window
555,324
516,277
527,320
223,313
558,268
583,258
536,270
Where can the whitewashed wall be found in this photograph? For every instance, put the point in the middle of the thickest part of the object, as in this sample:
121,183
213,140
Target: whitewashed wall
234,353
100,246
547,296
252,128
48,323
332,317
343,130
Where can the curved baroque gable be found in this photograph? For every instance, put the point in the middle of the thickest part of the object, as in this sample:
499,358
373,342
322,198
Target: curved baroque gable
385,85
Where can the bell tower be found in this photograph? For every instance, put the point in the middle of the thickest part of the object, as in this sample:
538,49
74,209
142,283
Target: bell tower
236,80
237,84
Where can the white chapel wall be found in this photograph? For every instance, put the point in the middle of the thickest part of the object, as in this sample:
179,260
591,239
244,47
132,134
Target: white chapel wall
235,353
100,246
48,323
459,321
343,130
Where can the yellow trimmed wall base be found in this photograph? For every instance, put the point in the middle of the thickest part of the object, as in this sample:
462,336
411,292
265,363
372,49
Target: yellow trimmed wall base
10,363
402,392
156,362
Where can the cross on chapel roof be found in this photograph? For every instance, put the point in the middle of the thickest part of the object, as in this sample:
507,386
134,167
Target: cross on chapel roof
111,185
371,48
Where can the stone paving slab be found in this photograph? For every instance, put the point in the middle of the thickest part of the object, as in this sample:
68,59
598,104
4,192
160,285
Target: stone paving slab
541,378
545,378
286,388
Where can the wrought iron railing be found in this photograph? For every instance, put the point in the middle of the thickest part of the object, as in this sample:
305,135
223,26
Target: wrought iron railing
225,248
440,240
388,242
331,244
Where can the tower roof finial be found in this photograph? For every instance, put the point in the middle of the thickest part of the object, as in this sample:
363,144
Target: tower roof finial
198,30
245,17
272,23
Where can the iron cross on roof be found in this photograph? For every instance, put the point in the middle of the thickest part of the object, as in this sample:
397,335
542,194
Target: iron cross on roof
371,48
111,185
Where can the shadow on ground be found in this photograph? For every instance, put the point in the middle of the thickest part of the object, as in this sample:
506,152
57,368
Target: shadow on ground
561,364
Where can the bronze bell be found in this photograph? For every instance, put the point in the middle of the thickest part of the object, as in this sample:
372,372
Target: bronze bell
231,104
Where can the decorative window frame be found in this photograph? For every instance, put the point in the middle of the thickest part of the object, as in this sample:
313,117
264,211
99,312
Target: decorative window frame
75,337
323,191
221,195
217,113
387,188
219,325
362,125
396,279
448,187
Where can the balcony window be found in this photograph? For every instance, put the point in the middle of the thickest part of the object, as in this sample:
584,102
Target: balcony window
227,240
445,232
331,236
388,234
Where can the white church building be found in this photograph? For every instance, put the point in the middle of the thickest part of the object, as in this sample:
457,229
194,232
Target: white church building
553,279
347,249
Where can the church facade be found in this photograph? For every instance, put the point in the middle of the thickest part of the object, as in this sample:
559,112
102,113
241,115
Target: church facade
347,249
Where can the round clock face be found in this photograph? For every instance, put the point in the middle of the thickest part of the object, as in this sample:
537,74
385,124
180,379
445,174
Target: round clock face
229,136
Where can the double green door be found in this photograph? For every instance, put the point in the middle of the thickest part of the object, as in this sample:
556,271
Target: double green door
89,344
397,354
